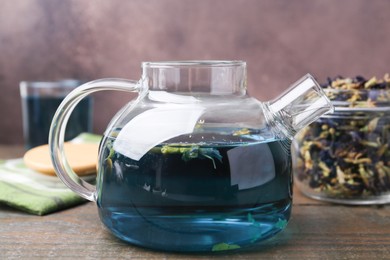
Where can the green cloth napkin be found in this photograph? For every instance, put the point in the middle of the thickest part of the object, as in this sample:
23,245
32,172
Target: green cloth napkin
36,193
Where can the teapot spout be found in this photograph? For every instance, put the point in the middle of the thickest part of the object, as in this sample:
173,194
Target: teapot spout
300,105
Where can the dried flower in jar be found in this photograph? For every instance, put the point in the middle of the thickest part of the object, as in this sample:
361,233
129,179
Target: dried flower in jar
346,154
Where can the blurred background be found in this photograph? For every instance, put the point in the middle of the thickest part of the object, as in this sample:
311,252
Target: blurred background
281,40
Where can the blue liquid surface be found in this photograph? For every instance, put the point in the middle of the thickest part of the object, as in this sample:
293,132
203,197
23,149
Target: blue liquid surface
202,198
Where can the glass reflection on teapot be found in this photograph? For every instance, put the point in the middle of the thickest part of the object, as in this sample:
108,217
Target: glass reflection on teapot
194,163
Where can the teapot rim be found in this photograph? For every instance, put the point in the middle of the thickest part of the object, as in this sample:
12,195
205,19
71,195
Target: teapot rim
193,63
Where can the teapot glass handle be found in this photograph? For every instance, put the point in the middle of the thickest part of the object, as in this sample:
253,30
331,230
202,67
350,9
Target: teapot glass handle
58,126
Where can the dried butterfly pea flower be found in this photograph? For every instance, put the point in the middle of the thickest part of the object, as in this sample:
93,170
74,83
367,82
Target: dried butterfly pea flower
346,155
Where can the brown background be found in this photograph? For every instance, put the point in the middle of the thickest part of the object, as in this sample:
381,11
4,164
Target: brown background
280,39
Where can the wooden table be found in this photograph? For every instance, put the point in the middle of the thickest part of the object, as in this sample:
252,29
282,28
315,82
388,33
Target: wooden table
317,230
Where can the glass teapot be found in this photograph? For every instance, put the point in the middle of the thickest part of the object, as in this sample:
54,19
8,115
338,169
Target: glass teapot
194,163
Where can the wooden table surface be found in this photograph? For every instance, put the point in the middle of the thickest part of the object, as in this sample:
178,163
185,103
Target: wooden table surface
317,230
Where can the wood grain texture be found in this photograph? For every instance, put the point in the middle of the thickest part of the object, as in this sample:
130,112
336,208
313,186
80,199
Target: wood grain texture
322,231
281,40
317,230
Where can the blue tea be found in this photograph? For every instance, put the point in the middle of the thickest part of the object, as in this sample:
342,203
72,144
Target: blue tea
38,113
197,196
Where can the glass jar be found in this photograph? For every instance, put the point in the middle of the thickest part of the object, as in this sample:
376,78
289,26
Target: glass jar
344,157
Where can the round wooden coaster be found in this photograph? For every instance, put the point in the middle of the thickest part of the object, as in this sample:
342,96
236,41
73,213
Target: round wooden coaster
81,157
